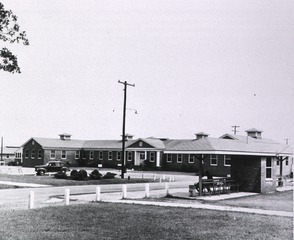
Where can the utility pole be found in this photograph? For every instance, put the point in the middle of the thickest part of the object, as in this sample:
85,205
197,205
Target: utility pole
287,141
235,129
125,83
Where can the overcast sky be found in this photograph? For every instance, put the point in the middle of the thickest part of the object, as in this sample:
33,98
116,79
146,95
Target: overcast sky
197,66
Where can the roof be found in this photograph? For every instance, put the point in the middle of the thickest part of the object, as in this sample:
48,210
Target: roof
58,143
106,144
9,150
219,145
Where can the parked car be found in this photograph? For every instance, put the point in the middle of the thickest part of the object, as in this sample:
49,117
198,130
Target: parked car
52,166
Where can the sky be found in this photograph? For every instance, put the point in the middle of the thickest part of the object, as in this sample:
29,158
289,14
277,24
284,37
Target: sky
196,65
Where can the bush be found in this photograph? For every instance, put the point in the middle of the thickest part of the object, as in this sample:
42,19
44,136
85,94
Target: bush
12,163
109,175
80,175
73,172
95,175
60,175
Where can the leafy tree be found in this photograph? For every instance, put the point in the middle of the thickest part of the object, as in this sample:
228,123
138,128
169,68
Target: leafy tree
10,32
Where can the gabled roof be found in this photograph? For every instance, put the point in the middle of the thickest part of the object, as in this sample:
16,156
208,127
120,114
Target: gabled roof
153,142
58,143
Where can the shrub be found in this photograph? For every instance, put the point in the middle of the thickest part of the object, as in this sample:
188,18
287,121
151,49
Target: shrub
12,163
109,175
80,175
95,175
60,175
73,172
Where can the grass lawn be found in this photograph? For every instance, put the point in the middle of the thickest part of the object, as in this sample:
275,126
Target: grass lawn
51,180
279,201
122,221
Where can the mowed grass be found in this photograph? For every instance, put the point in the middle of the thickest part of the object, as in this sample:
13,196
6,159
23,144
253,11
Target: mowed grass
123,221
51,180
279,201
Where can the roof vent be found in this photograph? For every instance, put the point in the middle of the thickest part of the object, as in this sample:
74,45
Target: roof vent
255,133
64,136
201,135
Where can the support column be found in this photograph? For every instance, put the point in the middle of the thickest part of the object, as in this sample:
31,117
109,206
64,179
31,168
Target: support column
157,159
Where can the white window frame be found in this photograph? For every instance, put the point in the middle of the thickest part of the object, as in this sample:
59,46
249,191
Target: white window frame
100,155
191,158
52,154
63,154
118,156
26,153
179,158
33,154
130,156
77,154
91,155
110,155
39,154
225,160
152,156
213,157
169,158
268,167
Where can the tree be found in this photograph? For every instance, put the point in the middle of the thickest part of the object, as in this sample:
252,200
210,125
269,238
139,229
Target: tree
10,32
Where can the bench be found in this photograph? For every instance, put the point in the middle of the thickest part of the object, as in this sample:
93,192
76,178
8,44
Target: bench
218,186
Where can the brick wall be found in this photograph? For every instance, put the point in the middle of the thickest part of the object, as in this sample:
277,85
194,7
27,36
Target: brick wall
247,171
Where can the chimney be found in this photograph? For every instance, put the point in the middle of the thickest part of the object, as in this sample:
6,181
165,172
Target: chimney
64,136
253,132
128,136
201,135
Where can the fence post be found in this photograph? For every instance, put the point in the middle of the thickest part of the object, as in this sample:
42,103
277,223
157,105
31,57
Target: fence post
98,194
154,177
160,179
166,189
66,196
163,177
147,190
124,191
31,200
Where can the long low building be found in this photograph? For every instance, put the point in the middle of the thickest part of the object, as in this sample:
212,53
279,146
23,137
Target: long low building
241,157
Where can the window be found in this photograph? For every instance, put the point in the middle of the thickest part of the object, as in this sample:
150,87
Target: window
109,155
118,157
26,153
169,158
227,161
39,153
52,154
100,155
287,162
268,167
152,157
33,154
142,155
63,154
180,158
278,162
91,154
213,160
191,158
7,156
130,157
78,154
